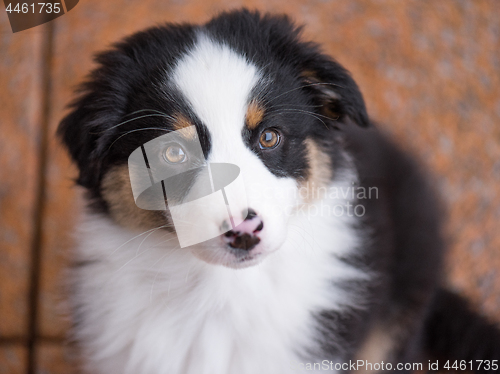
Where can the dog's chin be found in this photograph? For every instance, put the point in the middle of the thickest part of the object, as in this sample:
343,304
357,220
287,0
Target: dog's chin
245,261
224,255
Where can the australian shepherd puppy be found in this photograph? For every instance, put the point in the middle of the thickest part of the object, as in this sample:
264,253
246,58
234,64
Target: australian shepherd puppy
245,215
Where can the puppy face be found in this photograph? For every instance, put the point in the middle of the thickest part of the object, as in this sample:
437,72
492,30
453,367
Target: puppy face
249,93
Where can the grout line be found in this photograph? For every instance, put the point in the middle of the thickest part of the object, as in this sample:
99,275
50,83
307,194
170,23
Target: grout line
36,245
52,339
12,340
22,340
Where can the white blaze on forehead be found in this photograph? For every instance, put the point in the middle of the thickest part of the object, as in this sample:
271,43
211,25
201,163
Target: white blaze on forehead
217,81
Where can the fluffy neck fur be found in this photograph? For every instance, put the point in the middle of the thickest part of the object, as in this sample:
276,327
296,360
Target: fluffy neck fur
155,308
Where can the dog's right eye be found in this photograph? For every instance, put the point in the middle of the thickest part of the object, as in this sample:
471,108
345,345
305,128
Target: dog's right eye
269,139
174,154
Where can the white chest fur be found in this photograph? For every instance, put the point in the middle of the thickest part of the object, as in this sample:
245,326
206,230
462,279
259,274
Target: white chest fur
149,308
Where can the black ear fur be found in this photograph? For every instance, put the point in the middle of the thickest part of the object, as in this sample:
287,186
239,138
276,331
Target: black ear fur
74,132
330,84
334,90
101,103
89,129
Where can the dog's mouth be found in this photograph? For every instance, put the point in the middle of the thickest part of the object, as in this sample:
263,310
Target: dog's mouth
239,262
249,257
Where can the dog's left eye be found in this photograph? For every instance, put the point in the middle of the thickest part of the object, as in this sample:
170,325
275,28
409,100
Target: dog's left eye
269,139
174,154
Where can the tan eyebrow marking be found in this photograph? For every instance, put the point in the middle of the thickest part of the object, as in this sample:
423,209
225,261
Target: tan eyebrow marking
185,126
255,114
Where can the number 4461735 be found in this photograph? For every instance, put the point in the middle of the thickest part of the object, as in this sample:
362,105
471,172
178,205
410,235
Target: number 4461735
34,8
472,365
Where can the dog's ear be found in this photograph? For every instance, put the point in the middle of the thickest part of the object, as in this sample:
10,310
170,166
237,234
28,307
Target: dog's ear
333,89
80,132
331,86
81,143
86,130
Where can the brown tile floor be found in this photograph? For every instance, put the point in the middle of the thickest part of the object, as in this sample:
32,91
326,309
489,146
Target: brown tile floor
430,75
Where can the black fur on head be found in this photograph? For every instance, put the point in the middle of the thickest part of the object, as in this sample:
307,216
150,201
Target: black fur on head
264,37
124,80
123,73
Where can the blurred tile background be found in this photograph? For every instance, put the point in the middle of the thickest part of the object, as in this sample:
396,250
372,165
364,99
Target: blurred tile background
430,74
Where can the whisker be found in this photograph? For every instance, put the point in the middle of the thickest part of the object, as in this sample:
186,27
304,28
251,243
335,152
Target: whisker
142,242
135,237
305,112
145,110
299,105
133,119
308,85
141,129
165,241
163,258
137,254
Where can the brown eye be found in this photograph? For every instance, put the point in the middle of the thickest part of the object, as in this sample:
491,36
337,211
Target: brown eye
269,139
174,154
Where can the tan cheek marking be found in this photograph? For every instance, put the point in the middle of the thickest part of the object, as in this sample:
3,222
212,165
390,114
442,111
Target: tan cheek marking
319,175
184,126
117,192
255,114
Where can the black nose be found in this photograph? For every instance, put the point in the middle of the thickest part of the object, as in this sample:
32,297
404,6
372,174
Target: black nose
245,242
244,236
